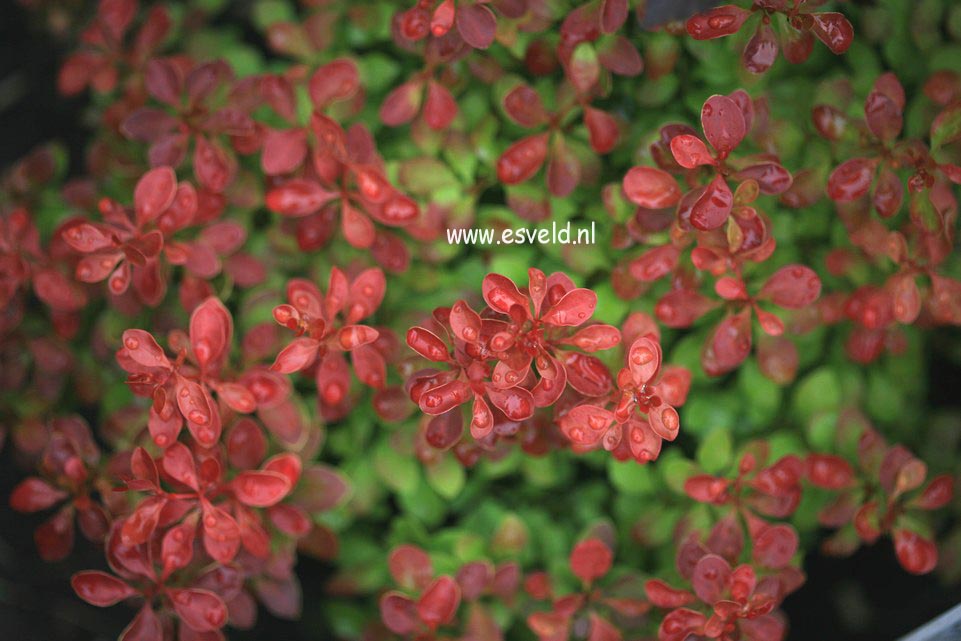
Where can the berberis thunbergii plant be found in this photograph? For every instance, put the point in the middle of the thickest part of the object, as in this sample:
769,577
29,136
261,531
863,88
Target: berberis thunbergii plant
240,332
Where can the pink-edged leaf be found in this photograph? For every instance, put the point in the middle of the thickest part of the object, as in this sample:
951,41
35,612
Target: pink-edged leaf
717,22
792,287
590,560
690,151
298,355
260,488
651,187
723,123
284,150
574,308
399,613
438,604
199,610
211,330
34,494
516,403
178,463
298,197
402,104
154,193
712,209
522,160
336,80
476,24
100,589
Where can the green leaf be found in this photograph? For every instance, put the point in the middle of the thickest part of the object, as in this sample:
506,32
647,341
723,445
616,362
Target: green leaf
946,127
819,391
630,477
447,477
399,472
676,470
585,70
714,452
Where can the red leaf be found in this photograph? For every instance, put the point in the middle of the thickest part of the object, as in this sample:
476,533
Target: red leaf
586,424
523,105
427,344
937,494
438,604
464,322
522,160
706,488
260,489
713,207
298,197
882,113
574,308
761,51
679,624
690,151
792,287
443,18
916,554
287,465
563,169
595,338
440,109
445,397
834,30
365,294
399,613
775,546
100,589
284,151
711,577
178,463
851,179
211,330
603,630
718,22
33,494
203,418
163,81
590,560
140,525
829,471
221,534
144,627
602,129
336,80
651,188
176,550
86,238
723,123
297,356
516,403
154,193
410,567
142,349
476,24
402,104
502,294
213,168
644,360
662,595
443,431
200,610
353,336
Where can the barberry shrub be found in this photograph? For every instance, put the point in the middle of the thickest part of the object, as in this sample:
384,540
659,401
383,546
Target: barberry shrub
237,333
